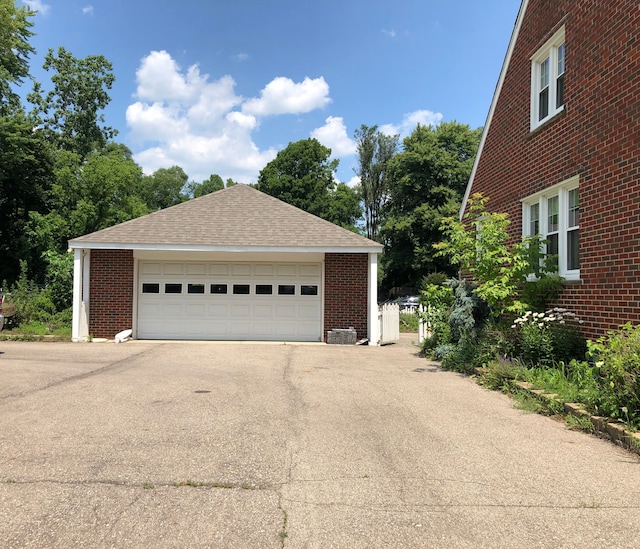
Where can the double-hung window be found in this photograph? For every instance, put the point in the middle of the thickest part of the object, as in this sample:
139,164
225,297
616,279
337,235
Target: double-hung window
547,80
554,214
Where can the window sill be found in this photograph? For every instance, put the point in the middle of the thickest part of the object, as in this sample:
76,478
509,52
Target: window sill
559,115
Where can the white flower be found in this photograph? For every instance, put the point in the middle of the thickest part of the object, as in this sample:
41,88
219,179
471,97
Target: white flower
562,322
541,325
513,325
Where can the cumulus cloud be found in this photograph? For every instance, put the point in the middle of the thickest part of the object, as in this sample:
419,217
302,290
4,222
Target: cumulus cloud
38,5
88,10
183,117
334,135
411,120
284,96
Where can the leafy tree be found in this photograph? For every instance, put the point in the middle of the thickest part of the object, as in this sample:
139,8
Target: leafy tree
210,185
375,150
302,175
25,179
343,207
427,182
15,49
479,245
163,188
70,112
88,196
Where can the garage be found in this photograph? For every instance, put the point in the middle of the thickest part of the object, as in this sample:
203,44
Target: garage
229,301
236,264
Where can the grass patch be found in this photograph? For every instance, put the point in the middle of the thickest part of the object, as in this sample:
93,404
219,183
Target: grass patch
580,423
409,322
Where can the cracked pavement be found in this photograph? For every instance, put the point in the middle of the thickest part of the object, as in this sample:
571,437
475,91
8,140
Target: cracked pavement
169,444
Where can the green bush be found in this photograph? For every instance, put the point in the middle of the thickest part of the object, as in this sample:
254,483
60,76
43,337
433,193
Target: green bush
617,356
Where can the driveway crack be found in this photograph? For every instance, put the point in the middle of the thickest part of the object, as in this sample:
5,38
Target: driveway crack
84,375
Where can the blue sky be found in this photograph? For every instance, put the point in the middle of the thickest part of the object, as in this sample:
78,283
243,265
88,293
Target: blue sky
221,86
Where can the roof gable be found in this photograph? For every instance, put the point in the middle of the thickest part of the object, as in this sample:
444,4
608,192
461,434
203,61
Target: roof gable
494,101
236,218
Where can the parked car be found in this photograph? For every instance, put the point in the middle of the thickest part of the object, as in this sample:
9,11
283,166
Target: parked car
7,309
409,302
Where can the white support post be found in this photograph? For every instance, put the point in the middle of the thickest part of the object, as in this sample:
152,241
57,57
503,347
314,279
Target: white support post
79,324
373,321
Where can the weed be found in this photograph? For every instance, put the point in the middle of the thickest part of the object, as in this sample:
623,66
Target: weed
529,403
579,423
148,486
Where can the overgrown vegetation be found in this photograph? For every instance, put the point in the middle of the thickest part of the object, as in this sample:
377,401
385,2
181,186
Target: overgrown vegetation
499,324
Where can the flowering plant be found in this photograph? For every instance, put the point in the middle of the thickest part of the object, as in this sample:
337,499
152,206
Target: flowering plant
548,337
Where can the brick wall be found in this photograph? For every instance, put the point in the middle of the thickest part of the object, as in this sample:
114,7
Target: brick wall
110,292
596,137
346,289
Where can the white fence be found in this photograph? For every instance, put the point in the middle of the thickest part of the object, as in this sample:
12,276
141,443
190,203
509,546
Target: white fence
389,320
424,327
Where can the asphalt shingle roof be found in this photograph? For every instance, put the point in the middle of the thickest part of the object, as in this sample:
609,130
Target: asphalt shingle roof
236,217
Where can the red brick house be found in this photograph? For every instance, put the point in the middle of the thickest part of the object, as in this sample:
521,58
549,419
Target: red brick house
236,264
560,150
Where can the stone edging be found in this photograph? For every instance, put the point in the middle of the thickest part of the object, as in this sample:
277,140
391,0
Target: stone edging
602,426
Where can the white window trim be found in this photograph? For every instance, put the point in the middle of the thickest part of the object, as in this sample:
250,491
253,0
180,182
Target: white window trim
549,50
562,191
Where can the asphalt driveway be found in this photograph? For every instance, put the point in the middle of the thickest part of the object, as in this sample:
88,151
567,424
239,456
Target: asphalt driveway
305,446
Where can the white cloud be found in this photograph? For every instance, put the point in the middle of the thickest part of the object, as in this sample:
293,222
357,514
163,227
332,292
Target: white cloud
391,32
240,56
182,117
88,10
284,96
37,5
411,120
334,135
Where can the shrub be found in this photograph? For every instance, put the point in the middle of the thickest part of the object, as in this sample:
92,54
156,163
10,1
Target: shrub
438,299
549,337
617,356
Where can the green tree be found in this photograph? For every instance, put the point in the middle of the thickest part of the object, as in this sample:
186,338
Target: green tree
25,180
70,112
375,150
210,185
163,188
427,182
479,245
15,25
88,196
302,174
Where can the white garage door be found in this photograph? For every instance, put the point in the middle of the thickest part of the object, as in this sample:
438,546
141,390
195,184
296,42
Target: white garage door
230,301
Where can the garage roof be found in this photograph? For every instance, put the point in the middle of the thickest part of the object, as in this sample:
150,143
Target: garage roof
237,218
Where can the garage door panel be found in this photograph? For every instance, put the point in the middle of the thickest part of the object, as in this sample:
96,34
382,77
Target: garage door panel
242,310
284,301
263,311
218,269
264,270
309,270
218,310
196,269
173,268
195,309
241,269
